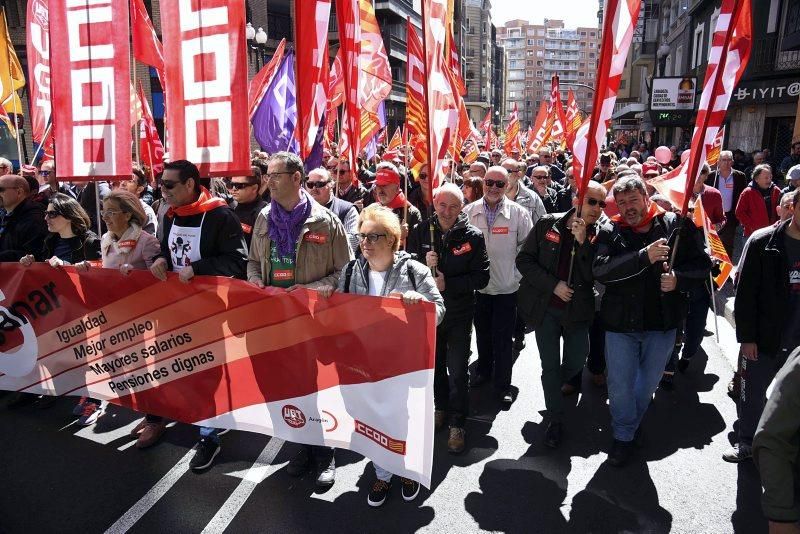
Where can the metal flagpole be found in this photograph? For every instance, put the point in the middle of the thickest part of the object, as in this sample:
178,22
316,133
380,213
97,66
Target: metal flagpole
97,209
713,300
137,132
40,148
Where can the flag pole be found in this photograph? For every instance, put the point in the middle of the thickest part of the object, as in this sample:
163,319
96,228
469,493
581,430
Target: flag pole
431,163
137,134
13,94
40,148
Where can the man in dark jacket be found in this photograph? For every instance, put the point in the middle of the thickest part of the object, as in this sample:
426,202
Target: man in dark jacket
348,188
767,310
556,296
22,224
776,450
730,183
459,255
388,193
320,186
643,302
248,202
202,236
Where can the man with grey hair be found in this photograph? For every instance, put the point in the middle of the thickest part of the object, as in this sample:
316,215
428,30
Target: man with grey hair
519,193
22,223
477,170
643,303
730,183
5,167
319,185
459,255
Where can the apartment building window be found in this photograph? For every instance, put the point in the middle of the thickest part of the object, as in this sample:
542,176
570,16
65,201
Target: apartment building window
539,83
581,75
539,53
539,63
530,42
591,75
540,42
583,34
582,55
539,74
699,45
592,34
591,55
582,65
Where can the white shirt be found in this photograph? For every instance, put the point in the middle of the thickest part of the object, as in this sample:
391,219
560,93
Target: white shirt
725,186
376,281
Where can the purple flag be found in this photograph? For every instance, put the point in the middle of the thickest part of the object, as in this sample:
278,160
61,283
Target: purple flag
275,119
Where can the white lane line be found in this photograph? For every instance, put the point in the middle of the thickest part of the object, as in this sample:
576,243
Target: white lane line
260,470
137,511
104,438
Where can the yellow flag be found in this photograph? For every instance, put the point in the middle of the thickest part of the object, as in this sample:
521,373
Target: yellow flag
12,77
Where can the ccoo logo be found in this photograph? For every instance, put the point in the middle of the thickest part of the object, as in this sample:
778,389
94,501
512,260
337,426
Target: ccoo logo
293,416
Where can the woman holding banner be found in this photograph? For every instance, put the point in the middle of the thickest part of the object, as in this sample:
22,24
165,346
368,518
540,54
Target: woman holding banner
383,270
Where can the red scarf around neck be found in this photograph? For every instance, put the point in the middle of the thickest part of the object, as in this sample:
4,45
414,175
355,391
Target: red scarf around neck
397,202
204,203
654,210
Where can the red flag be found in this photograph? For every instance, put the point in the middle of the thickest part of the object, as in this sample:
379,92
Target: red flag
258,86
336,81
556,117
416,116
151,148
619,23
730,52
312,70
348,18
540,129
573,119
92,75
396,141
376,75
146,46
207,98
38,48
512,133
715,246
486,126
713,154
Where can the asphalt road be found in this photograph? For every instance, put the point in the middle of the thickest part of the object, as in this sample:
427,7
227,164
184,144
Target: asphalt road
59,478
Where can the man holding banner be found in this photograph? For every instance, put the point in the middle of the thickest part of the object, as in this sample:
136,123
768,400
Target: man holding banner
201,236
298,243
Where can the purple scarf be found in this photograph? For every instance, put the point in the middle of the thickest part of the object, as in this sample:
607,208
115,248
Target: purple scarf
285,226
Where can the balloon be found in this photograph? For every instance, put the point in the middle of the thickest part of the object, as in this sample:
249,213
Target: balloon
685,156
663,155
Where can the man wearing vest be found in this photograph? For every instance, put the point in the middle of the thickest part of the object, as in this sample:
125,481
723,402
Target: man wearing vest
298,243
505,226
320,186
459,256
201,236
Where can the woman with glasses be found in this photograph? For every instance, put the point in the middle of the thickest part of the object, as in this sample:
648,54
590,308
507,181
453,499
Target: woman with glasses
381,271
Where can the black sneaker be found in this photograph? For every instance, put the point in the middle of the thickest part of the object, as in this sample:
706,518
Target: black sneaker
667,382
507,397
683,364
326,473
519,344
410,489
552,436
378,493
477,380
206,451
300,463
620,452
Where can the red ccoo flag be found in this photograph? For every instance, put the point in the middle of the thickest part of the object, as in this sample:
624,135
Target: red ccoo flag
512,133
261,81
619,23
486,126
146,46
539,134
152,150
556,118
573,119
348,17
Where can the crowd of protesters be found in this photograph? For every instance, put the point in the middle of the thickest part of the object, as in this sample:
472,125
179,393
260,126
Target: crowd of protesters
616,279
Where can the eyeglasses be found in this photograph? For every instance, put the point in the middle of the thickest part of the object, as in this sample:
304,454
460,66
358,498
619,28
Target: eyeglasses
370,238
595,202
50,214
169,184
44,173
495,183
317,185
109,213
274,175
240,185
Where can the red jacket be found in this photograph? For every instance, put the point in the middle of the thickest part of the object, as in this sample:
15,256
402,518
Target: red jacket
752,212
712,204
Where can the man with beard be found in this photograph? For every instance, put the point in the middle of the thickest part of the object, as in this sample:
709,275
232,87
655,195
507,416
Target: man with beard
643,302
459,255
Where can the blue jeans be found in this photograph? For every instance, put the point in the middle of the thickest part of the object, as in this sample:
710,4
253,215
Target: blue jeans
206,432
635,363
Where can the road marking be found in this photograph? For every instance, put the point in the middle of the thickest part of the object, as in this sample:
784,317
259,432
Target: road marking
260,470
150,498
104,438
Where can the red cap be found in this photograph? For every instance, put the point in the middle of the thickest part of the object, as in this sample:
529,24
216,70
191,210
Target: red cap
650,167
389,156
387,176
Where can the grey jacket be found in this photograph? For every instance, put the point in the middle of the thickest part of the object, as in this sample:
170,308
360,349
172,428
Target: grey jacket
405,274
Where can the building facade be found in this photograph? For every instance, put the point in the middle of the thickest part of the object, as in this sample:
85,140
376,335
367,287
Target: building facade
536,52
480,56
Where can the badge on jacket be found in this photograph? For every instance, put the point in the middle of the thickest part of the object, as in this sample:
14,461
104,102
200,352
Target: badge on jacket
500,230
313,237
552,236
246,228
463,249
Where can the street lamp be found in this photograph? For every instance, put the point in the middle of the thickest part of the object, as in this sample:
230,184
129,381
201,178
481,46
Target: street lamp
662,53
261,44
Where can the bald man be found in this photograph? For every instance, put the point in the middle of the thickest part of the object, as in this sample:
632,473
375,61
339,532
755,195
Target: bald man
22,224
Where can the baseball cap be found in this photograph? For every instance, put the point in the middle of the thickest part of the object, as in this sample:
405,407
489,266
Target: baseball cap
386,176
793,173
649,168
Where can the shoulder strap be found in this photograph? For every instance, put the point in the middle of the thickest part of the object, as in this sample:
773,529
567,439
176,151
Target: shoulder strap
348,275
411,276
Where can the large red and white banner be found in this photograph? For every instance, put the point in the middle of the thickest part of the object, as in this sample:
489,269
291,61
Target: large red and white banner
312,70
206,70
730,52
38,49
91,88
512,142
351,371
619,23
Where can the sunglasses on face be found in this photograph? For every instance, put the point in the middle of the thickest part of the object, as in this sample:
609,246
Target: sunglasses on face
50,214
370,238
539,177
495,183
317,185
239,185
595,202
168,184
44,173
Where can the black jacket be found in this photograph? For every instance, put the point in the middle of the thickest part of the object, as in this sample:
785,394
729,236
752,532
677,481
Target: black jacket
557,200
537,262
247,214
22,232
462,260
739,183
762,296
632,282
222,247
87,248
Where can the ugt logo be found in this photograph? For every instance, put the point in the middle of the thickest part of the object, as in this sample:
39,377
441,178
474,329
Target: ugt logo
293,416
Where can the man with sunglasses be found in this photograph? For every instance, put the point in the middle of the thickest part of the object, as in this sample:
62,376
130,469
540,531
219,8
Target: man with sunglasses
248,201
554,201
556,296
348,187
546,159
320,186
297,243
505,226
201,236
22,224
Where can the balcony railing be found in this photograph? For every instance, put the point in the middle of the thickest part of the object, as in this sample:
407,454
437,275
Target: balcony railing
550,45
767,57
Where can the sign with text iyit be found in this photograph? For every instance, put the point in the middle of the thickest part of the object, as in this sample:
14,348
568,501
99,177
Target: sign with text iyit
351,371
670,94
206,71
91,88
767,91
